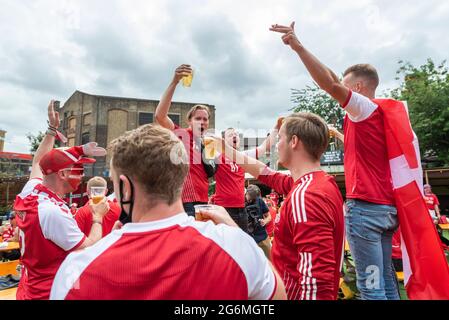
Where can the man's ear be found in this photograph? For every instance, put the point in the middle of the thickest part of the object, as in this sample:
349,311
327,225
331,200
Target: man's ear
126,187
294,141
61,174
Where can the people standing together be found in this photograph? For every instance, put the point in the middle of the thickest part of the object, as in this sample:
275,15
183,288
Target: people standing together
146,243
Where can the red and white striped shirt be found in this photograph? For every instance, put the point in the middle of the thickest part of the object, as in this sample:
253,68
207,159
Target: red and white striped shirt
309,234
48,233
172,259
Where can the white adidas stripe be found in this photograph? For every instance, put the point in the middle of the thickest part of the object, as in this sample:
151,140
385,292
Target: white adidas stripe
295,200
303,206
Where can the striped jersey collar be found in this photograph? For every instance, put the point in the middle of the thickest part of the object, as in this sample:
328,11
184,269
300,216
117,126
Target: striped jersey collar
179,219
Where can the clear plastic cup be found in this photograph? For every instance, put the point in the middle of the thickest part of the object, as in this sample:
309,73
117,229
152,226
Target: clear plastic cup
203,208
187,80
97,194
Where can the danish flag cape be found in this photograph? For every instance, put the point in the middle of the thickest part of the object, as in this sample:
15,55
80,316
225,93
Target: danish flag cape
426,271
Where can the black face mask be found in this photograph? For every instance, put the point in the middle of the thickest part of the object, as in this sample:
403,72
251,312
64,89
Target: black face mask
126,217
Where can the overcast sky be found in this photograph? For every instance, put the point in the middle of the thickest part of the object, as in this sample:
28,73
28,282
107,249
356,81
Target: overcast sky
49,49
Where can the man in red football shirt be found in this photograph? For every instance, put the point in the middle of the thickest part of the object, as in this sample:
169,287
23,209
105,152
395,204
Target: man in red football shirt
196,185
163,253
84,216
371,216
309,232
274,197
48,231
230,177
432,203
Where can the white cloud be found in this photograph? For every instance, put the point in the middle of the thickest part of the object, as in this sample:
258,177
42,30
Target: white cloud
130,48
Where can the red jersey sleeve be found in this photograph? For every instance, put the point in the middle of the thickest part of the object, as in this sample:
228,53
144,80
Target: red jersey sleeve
280,182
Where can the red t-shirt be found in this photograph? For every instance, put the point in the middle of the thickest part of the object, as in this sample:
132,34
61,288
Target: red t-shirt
172,259
308,234
275,197
367,168
84,218
273,212
230,182
196,184
48,233
431,201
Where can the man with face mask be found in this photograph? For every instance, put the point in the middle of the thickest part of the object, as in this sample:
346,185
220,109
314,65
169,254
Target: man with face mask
48,232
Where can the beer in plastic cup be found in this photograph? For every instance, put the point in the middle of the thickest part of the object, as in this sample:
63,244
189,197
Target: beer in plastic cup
201,208
209,146
187,80
97,194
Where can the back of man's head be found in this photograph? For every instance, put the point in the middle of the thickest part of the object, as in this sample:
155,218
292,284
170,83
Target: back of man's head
311,129
365,72
154,158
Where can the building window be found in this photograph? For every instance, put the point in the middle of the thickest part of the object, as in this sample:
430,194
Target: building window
87,119
72,123
175,118
85,138
145,118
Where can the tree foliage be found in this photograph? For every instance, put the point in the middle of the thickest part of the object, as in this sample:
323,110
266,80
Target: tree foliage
35,141
313,99
426,90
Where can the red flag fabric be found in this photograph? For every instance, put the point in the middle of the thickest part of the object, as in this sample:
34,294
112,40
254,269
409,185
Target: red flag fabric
426,271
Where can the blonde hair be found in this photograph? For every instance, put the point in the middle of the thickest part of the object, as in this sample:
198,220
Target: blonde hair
96,182
196,108
154,157
311,129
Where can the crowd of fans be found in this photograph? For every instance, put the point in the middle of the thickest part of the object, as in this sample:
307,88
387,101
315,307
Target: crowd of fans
143,241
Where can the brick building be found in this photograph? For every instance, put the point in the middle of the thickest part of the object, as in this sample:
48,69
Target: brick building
86,117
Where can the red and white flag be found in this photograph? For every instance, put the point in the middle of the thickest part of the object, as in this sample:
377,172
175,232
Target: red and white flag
426,271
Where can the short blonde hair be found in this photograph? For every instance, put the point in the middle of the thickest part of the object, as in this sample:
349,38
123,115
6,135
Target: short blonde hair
196,108
154,157
311,129
96,182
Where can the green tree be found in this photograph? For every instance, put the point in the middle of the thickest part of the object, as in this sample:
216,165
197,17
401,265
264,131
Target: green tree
426,90
35,141
313,99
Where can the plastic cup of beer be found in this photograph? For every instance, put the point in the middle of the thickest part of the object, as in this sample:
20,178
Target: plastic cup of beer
203,208
187,80
210,147
97,194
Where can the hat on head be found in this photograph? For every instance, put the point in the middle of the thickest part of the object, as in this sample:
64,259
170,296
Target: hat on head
63,158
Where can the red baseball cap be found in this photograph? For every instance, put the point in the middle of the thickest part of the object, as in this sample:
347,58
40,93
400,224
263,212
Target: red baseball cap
63,158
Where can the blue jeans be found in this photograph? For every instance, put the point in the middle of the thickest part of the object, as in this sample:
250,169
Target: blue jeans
369,230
